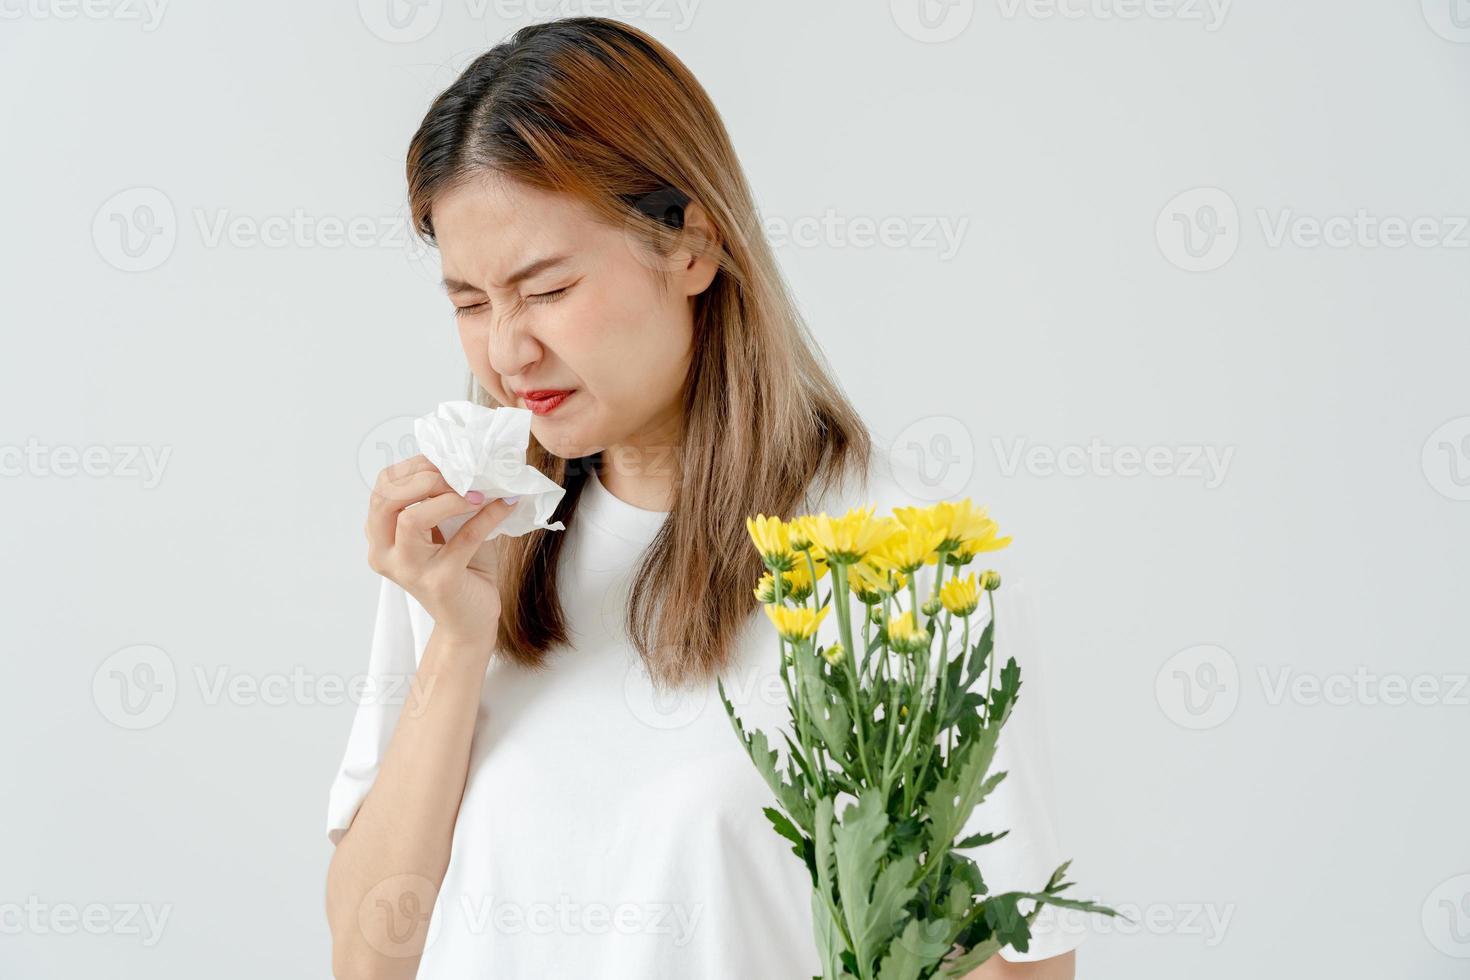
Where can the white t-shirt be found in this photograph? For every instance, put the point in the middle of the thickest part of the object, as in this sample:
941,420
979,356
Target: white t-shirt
608,832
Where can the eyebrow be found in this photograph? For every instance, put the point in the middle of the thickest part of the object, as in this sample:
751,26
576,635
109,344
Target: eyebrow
524,272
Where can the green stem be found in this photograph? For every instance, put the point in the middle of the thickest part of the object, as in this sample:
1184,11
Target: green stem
803,727
990,680
844,623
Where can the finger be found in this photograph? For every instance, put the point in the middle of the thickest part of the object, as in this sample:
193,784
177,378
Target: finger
415,523
384,507
406,467
460,548
402,480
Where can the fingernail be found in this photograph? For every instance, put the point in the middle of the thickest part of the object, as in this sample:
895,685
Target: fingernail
511,500
475,497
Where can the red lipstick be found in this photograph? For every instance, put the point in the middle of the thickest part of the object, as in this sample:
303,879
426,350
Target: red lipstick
545,400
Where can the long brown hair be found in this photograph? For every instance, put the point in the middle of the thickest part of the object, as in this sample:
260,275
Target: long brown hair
596,108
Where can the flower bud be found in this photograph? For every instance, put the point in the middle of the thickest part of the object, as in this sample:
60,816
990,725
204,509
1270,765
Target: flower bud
990,580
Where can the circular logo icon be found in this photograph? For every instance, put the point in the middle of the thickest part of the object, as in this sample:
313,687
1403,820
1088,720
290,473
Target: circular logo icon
933,458
1445,459
932,21
1446,917
135,230
1450,19
399,915
136,687
400,21
1199,229
1199,687
389,442
658,707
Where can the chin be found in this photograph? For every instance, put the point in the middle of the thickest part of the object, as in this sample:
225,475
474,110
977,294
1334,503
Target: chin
562,444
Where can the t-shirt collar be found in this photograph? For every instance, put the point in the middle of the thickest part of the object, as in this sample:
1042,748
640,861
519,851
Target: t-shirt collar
612,513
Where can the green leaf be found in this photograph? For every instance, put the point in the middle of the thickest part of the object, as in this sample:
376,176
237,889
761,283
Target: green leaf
829,940
961,967
829,716
920,946
859,844
980,654
765,758
980,840
890,894
1010,687
801,847
955,796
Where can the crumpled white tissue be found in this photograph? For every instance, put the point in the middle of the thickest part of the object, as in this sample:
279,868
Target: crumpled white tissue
484,449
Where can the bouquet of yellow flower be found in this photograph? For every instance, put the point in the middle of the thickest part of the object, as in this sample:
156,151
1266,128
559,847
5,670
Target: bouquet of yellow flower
896,731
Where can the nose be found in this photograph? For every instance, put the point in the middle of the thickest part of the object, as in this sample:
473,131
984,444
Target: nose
512,351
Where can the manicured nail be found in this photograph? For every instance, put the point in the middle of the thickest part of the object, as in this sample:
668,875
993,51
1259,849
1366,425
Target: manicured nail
511,500
475,497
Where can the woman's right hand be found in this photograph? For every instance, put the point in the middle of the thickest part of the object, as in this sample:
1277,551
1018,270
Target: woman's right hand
409,499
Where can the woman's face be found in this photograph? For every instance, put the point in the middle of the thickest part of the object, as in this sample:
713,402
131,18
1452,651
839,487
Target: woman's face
550,298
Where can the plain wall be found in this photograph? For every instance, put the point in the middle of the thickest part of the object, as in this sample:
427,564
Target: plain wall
1125,272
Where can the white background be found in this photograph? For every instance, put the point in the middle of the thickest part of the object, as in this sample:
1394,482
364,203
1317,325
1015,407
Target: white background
157,300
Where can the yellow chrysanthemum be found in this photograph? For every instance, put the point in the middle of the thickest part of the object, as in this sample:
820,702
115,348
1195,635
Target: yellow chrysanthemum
796,624
852,536
976,533
772,538
905,635
800,537
932,518
990,580
909,548
796,585
966,529
960,596
870,584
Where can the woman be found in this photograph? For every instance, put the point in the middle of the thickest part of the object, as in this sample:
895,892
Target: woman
576,805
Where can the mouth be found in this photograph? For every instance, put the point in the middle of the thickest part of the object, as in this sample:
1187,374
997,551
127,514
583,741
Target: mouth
545,402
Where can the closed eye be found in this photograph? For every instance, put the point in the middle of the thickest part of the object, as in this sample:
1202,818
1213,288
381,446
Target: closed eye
550,297
471,309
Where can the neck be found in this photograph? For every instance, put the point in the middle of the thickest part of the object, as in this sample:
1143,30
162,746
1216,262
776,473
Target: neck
641,475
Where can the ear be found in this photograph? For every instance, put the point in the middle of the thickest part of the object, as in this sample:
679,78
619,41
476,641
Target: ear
693,272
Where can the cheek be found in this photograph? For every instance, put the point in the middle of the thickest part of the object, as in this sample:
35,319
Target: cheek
477,356
628,345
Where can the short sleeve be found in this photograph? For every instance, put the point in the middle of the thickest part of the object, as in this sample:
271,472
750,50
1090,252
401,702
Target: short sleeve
392,664
1026,857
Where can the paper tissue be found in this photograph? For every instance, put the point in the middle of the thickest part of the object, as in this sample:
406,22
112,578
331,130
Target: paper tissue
484,449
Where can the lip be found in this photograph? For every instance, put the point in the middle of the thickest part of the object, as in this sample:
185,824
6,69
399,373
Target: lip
545,401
